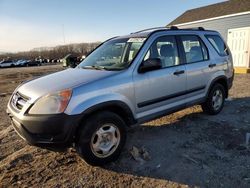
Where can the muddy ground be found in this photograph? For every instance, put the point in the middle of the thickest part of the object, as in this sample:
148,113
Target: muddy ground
187,148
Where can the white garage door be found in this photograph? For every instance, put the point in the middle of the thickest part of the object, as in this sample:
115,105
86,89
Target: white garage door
239,44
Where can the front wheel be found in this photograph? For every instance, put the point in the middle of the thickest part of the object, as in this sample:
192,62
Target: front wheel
215,100
101,138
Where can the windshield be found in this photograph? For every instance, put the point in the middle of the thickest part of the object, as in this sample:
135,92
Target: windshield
116,54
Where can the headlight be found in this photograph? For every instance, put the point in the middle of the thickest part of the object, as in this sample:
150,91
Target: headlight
52,104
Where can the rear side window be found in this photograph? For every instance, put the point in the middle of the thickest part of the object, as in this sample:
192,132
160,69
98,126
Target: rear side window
194,48
218,44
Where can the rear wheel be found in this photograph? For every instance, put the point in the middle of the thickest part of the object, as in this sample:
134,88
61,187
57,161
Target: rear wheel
101,138
215,101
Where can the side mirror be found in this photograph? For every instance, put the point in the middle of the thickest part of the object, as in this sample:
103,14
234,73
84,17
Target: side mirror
149,65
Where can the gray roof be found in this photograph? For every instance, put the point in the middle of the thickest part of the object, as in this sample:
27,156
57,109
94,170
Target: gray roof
211,11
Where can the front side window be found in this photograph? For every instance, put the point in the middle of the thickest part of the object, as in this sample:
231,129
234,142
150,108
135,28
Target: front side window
116,54
218,44
164,48
195,50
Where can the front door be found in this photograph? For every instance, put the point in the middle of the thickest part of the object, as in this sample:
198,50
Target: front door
238,42
161,89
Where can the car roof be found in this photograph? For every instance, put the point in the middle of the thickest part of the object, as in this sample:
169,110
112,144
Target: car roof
147,32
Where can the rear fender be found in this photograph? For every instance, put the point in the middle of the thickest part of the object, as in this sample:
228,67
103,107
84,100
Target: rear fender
217,77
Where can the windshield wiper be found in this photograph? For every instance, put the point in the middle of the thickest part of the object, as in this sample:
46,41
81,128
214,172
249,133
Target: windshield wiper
98,67
93,67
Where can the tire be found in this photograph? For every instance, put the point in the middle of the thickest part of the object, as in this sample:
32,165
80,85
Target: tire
215,100
104,129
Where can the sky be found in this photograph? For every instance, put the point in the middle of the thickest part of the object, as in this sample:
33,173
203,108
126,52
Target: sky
27,24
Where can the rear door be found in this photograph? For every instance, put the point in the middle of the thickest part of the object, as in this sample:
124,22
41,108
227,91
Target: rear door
197,66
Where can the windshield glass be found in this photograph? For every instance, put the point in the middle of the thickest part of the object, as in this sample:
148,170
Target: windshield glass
116,54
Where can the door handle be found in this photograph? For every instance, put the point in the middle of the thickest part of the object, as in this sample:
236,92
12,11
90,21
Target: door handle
211,65
179,72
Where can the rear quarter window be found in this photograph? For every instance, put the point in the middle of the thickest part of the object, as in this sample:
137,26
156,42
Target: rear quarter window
218,44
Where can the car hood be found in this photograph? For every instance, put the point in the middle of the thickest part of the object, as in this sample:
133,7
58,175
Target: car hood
66,79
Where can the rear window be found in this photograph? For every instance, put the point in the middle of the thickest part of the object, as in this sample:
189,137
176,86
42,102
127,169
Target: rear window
218,44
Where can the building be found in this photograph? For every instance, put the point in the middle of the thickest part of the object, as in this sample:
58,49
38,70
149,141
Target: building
232,20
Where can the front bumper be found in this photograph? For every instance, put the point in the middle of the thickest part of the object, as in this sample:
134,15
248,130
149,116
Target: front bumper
44,130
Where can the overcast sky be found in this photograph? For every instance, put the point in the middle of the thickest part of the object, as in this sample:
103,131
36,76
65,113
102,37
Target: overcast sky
26,24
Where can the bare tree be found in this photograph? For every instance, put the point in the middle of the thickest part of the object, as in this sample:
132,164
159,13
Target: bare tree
57,52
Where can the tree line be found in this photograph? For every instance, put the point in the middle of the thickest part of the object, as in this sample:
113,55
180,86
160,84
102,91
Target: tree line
57,52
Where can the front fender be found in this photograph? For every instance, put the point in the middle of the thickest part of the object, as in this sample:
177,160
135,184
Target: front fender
79,105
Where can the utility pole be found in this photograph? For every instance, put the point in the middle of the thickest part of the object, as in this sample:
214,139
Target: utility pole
63,34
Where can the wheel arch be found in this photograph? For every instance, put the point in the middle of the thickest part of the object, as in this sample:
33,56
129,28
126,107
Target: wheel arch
221,80
117,107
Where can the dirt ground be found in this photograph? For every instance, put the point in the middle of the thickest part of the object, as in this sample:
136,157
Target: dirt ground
187,148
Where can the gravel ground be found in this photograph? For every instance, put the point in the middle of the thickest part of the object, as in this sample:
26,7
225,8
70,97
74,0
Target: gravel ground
184,149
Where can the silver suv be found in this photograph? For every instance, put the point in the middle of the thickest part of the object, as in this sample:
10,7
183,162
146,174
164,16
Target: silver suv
125,81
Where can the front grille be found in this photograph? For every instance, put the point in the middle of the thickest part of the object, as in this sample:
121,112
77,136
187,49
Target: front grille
18,100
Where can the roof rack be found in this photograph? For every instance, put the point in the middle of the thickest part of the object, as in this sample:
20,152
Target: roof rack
172,27
152,28
155,28
195,28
